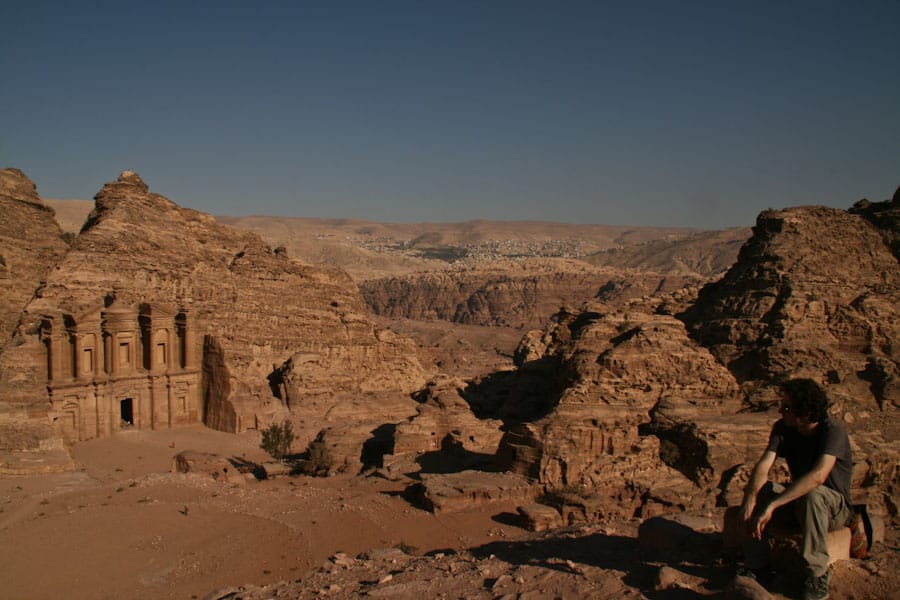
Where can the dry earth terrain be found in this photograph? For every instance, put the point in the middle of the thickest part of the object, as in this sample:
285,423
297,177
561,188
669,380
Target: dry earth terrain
608,386
124,526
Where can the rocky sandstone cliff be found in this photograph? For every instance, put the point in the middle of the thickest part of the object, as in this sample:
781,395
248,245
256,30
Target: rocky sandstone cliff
272,334
512,294
815,293
620,395
885,216
621,371
31,243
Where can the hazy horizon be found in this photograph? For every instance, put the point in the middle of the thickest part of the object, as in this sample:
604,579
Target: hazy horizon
696,114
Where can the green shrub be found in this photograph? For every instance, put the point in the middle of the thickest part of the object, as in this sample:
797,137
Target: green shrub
277,439
319,461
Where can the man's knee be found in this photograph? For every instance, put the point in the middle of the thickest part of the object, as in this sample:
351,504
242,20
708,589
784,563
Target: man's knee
821,501
818,497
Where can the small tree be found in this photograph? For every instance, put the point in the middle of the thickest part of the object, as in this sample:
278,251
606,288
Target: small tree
277,439
319,461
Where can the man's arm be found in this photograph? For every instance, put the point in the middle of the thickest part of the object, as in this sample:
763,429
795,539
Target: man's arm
797,489
758,478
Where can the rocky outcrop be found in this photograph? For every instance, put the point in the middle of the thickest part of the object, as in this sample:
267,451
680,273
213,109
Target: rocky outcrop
885,216
815,293
623,371
466,489
31,243
208,464
269,333
515,294
444,414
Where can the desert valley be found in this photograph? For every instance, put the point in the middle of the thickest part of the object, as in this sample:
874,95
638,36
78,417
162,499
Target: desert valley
481,409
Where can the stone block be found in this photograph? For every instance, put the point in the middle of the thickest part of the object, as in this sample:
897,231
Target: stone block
540,517
276,469
467,489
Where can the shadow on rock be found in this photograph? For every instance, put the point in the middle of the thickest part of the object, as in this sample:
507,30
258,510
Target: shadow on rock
667,561
526,394
246,466
453,457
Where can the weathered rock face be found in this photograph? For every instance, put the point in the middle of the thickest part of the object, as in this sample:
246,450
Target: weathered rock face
620,368
813,294
265,332
30,244
885,216
444,421
518,295
816,293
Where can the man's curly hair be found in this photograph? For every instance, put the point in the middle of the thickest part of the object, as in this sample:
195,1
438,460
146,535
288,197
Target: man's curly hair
809,398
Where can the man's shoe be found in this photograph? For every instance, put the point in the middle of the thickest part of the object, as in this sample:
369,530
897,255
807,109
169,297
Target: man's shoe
816,588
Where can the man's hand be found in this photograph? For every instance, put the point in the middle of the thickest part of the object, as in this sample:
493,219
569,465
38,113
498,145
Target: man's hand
758,523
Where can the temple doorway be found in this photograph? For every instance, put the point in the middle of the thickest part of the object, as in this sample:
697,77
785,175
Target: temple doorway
126,412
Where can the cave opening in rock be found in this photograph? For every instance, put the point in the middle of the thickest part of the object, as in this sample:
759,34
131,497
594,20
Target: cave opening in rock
126,412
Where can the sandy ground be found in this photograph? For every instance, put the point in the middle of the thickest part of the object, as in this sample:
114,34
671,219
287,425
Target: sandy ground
124,526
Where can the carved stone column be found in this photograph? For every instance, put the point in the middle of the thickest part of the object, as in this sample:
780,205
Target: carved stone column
190,341
77,357
56,343
99,354
171,347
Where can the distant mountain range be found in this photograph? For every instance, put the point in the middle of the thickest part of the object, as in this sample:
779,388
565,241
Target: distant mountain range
371,250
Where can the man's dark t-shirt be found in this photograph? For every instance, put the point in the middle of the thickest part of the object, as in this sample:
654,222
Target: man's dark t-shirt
802,453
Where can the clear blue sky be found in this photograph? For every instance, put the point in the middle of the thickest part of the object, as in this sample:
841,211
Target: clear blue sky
638,113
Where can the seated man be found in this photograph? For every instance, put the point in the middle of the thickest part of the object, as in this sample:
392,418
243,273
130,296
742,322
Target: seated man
817,451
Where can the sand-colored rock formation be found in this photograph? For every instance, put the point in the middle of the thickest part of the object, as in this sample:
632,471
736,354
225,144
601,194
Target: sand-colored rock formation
512,294
620,368
618,395
153,289
815,292
31,243
445,432
885,216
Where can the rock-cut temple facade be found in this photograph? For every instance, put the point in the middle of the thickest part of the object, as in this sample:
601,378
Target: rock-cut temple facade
121,368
